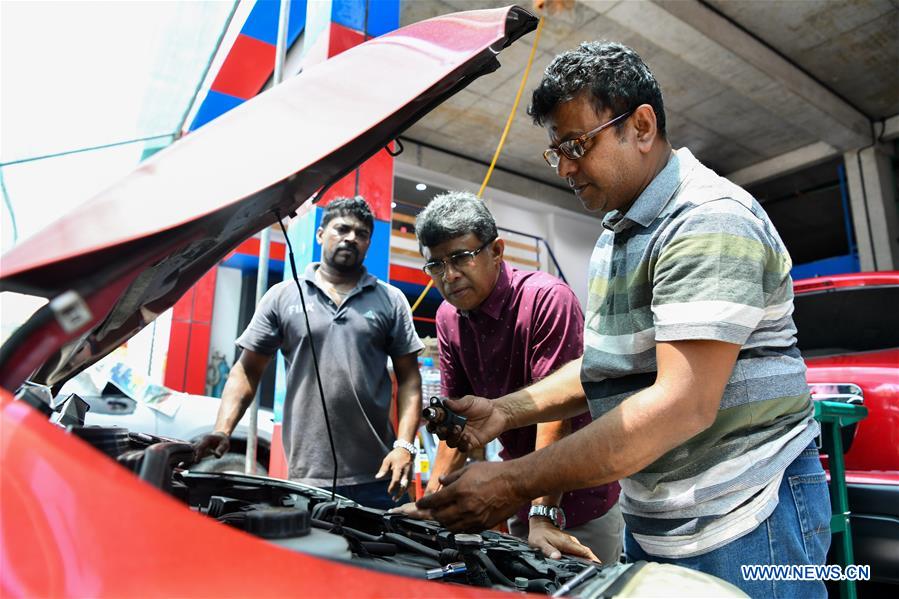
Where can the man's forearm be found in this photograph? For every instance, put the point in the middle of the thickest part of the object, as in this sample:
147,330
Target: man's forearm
624,441
237,395
556,397
408,400
547,434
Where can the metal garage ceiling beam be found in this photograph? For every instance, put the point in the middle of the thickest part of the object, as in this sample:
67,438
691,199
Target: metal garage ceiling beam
890,128
788,162
703,38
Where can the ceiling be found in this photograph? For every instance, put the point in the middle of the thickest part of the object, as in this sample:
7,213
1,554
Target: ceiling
755,89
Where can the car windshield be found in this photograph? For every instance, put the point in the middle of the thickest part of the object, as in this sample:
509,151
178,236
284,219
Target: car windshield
846,320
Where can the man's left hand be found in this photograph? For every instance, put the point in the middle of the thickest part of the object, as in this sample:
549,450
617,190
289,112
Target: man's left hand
475,498
399,463
543,535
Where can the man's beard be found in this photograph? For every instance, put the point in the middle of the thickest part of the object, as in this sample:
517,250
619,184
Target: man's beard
345,267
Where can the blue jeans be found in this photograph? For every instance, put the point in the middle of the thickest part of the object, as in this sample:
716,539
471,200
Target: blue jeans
371,494
796,533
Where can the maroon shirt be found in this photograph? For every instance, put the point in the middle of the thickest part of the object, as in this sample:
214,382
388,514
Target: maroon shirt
529,326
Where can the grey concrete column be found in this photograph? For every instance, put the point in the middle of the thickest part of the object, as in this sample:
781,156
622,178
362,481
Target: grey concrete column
873,197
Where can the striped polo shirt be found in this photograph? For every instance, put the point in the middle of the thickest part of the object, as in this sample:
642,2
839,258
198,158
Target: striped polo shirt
696,257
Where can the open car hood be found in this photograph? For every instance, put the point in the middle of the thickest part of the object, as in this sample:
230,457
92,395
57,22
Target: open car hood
114,264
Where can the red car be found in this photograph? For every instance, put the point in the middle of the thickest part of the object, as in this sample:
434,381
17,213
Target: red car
100,511
849,336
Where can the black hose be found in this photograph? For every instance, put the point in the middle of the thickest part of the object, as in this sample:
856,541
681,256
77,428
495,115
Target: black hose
492,570
331,527
413,546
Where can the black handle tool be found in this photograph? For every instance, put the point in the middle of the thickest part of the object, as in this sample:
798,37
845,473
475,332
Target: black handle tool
439,414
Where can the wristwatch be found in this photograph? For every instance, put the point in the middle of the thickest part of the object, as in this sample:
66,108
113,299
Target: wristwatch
555,514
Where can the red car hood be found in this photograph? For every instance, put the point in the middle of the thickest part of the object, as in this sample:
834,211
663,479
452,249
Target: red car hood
115,263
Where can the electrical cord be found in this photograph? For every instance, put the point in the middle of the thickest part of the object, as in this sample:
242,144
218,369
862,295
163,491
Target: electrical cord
318,378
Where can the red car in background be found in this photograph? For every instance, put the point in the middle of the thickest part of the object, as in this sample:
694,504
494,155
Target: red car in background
848,333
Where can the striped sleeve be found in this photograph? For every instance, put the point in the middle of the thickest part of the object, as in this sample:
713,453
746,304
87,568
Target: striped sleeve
714,276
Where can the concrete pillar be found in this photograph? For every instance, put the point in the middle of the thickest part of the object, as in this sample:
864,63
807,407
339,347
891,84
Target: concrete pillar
873,198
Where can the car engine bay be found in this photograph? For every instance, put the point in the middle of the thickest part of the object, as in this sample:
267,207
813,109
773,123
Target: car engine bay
312,521
305,519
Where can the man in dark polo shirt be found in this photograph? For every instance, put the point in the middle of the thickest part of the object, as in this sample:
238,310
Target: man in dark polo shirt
499,330
357,321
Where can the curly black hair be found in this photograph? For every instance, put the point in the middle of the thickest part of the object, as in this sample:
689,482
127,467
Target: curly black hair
615,76
356,207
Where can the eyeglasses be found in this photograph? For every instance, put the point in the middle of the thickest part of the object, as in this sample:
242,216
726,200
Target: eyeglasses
463,259
574,148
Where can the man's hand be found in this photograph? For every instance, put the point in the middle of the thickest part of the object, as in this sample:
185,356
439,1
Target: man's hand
399,463
485,423
216,444
475,497
544,535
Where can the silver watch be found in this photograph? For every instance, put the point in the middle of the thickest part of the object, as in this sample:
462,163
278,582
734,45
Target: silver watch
555,514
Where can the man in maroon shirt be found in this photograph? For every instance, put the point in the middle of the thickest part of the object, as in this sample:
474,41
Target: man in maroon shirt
501,329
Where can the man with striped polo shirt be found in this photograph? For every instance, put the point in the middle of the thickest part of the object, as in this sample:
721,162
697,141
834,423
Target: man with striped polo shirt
690,367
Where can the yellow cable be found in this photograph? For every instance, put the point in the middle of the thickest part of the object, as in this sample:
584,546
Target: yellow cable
524,81
502,139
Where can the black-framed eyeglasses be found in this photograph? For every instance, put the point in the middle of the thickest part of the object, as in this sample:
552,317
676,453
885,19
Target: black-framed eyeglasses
463,259
574,148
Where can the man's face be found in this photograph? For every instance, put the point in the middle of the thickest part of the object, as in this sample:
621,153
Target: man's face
467,285
607,177
344,241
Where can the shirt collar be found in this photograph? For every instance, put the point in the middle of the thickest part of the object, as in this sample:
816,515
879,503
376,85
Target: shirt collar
496,301
366,280
660,190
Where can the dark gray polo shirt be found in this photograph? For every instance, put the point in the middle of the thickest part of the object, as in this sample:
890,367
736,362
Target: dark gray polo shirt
352,343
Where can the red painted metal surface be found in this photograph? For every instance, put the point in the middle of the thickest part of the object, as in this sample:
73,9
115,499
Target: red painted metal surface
876,442
875,446
341,39
189,337
216,187
250,247
407,274
72,521
241,75
854,279
883,477
282,131
376,184
277,464
76,524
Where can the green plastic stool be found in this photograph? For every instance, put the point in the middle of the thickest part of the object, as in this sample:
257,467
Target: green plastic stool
833,416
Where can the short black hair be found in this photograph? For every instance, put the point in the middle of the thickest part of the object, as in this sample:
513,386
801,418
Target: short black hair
356,207
613,74
453,214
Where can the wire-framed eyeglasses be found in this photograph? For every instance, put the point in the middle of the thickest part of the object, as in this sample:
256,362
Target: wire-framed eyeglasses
459,260
574,148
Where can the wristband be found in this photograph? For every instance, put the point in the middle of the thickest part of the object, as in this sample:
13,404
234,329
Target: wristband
405,445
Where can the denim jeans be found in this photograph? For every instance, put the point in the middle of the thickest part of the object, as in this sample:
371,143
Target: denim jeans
796,533
371,494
